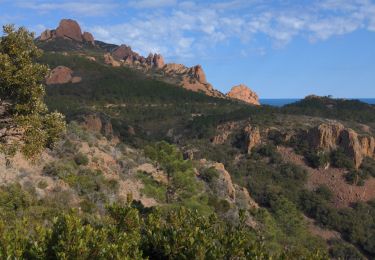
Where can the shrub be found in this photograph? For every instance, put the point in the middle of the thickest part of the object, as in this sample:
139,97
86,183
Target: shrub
317,159
209,174
340,160
81,159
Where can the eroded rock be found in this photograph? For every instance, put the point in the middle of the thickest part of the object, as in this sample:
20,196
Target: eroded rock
245,94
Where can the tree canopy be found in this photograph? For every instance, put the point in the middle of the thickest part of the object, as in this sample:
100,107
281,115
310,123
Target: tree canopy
25,123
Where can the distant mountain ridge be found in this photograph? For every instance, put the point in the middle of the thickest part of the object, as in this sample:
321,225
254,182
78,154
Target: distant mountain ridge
191,78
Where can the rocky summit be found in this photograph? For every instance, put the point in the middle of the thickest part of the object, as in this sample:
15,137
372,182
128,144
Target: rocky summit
68,29
245,94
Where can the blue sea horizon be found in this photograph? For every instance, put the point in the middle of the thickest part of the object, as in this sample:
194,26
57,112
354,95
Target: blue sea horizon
279,102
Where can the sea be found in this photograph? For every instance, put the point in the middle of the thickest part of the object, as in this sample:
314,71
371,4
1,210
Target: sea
279,102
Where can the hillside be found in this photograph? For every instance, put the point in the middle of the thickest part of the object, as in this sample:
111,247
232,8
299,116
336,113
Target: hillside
185,171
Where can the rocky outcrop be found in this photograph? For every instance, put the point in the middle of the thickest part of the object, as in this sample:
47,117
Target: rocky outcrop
198,73
245,94
253,137
333,135
158,61
68,29
129,57
95,123
109,60
224,184
224,131
62,75
87,37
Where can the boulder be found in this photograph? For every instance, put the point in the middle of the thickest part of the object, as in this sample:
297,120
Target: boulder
109,60
69,29
87,37
245,94
60,75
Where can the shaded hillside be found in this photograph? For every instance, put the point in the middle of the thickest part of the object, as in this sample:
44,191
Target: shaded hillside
343,109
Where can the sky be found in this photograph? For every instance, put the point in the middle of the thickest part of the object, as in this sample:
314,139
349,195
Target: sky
280,49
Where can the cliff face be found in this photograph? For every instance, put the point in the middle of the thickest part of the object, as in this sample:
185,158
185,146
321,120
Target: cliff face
330,136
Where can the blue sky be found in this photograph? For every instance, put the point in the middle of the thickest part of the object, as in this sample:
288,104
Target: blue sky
278,48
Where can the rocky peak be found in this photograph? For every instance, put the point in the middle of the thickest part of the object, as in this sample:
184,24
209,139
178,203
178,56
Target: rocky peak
68,29
158,61
244,93
198,73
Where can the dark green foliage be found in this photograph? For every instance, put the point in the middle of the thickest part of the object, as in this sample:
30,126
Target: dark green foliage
365,171
349,110
209,174
324,192
21,96
355,224
125,232
340,160
341,250
81,159
182,183
317,159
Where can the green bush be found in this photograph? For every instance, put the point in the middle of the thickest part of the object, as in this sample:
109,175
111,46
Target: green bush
81,159
340,160
209,174
317,159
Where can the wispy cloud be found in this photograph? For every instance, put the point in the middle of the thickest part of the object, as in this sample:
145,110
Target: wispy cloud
152,3
188,28
84,8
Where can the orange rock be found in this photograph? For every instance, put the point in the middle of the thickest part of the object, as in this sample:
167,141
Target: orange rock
60,75
243,93
69,29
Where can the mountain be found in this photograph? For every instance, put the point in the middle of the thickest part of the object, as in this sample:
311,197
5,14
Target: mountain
157,159
193,78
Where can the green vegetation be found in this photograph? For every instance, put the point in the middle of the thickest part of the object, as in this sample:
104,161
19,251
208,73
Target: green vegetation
124,232
365,171
326,107
21,95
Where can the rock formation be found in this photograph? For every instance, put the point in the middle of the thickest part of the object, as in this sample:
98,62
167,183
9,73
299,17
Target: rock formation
158,61
68,29
62,75
253,137
333,135
109,60
224,131
243,93
87,37
95,123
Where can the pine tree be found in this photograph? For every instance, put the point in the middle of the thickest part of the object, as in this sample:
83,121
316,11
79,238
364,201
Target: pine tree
25,123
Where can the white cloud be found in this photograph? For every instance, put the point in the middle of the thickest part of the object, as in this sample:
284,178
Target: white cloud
152,3
182,29
84,8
